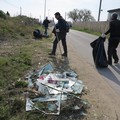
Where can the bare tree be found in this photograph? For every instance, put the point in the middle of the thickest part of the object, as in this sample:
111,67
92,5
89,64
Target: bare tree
81,15
87,15
73,15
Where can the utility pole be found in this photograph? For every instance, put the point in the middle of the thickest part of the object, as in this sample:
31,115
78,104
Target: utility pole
45,9
99,10
20,11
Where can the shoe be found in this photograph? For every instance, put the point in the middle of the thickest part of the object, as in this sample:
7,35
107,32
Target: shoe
64,54
51,54
116,61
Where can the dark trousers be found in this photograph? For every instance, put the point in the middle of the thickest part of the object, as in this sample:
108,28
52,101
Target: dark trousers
59,37
112,46
46,28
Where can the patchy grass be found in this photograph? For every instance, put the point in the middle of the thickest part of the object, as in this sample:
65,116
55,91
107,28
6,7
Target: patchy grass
87,31
17,27
19,53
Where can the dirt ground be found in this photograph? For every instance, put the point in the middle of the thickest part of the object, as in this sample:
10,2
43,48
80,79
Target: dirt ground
105,103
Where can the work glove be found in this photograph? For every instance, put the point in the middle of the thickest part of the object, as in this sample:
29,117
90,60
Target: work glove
103,35
57,30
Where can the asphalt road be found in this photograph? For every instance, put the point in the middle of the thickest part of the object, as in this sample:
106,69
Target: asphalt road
80,42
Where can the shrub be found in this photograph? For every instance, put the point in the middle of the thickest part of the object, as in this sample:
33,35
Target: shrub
2,14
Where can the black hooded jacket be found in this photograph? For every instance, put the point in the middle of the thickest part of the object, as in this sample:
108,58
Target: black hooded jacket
61,25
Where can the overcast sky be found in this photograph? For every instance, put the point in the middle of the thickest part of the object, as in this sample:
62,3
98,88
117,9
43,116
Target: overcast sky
36,8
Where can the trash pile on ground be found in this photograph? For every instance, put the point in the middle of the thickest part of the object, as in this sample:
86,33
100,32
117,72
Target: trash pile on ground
53,92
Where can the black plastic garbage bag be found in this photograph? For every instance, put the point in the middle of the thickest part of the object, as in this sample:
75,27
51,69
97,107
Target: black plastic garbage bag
37,33
98,52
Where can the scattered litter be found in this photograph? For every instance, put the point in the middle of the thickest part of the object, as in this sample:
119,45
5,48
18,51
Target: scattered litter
56,90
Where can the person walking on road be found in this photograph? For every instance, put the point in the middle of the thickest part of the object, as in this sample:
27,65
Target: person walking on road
46,24
114,39
60,34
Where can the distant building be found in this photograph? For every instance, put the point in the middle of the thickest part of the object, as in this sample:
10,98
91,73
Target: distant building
110,12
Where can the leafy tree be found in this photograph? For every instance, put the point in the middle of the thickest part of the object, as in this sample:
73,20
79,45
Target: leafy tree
81,15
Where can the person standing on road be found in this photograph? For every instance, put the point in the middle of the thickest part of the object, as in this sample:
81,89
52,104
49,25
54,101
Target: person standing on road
60,34
46,24
114,39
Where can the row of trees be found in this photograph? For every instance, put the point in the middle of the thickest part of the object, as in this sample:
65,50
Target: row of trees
81,15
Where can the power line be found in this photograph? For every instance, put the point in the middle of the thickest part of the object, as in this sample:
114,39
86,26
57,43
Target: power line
19,8
11,4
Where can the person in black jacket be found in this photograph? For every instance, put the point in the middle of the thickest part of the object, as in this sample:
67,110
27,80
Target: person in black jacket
60,33
114,39
45,24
